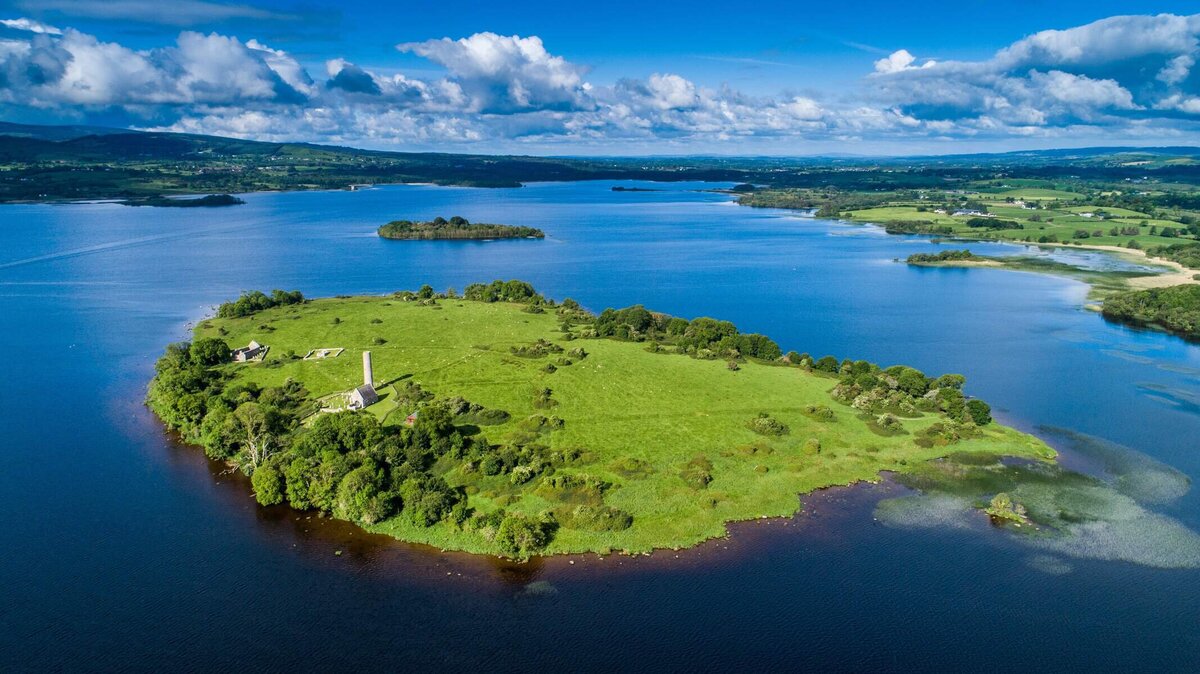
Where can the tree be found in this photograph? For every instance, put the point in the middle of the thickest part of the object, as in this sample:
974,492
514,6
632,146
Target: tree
425,292
980,412
358,495
268,485
828,364
520,536
210,351
256,431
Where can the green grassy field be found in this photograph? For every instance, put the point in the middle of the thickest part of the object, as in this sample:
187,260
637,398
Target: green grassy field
1062,225
638,417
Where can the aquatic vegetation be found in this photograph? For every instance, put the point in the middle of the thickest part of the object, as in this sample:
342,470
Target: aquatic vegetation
1100,516
1050,564
1133,473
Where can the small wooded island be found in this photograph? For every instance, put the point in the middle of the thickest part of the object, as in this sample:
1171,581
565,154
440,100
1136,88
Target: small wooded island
502,422
456,228
210,201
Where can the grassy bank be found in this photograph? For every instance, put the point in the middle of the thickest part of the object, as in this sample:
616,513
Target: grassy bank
675,443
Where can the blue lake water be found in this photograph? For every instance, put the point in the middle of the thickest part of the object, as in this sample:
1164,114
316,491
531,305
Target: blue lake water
121,549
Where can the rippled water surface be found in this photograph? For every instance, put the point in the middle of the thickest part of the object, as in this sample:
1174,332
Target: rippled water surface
121,549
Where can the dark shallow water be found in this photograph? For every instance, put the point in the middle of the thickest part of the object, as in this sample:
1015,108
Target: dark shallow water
122,550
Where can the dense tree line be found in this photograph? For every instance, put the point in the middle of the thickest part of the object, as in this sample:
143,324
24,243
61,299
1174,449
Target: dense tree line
1175,309
701,337
993,223
942,256
503,291
1186,254
455,228
917,227
255,301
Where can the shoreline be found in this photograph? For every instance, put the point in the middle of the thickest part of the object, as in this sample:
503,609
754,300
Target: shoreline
1178,275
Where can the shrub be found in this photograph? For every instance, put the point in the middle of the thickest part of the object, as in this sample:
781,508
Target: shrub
697,473
1004,508
542,399
820,412
631,467
577,489
889,422
593,518
519,536
765,424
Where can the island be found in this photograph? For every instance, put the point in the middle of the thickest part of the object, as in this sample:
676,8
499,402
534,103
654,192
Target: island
501,422
210,201
948,258
456,228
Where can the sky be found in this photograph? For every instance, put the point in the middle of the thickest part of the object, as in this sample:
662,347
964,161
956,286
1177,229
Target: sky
627,78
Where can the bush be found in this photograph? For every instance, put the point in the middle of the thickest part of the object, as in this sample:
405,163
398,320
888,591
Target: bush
820,412
697,473
594,518
520,537
765,424
542,399
889,422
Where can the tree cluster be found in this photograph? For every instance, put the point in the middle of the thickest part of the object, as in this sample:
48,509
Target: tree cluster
255,301
906,391
701,337
942,256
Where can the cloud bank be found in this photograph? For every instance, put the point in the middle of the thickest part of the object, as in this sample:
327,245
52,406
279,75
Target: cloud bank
1122,78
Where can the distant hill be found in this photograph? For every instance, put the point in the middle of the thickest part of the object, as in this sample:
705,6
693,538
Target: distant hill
48,163
55,133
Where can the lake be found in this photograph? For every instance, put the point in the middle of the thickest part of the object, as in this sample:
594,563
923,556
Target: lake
124,550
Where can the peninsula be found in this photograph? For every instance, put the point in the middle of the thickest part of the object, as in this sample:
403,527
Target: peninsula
456,228
501,422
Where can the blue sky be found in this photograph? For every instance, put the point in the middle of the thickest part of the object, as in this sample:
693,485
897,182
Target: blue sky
615,77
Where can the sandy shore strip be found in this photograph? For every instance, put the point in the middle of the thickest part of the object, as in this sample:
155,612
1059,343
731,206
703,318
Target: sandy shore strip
1179,275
